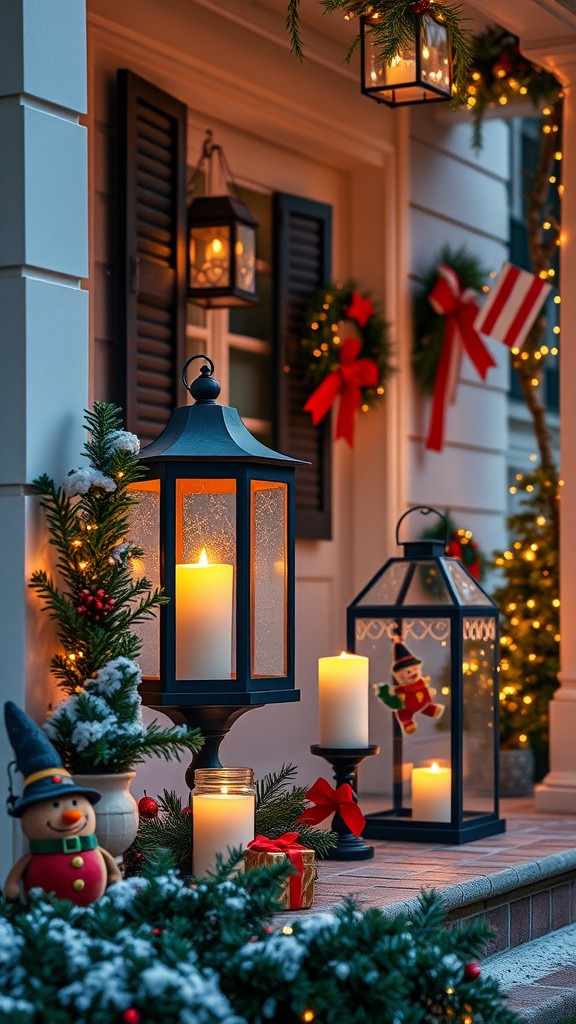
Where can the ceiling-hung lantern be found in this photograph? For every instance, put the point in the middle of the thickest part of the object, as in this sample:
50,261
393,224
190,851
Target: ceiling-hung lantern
221,237
421,72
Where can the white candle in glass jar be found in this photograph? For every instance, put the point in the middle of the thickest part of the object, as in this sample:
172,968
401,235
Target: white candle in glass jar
431,793
204,608
343,700
221,821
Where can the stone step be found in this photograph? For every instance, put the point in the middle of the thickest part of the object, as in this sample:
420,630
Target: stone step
539,977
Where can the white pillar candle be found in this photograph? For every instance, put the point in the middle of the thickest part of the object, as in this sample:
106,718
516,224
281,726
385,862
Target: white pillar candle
204,603
431,793
221,821
343,697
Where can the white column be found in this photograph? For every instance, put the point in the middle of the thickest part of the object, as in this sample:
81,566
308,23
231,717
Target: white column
558,790
44,322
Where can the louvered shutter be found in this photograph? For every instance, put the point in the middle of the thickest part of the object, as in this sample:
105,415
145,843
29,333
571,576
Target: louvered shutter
302,264
151,252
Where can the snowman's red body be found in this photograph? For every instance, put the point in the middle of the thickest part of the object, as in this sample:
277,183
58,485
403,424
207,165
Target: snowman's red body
80,877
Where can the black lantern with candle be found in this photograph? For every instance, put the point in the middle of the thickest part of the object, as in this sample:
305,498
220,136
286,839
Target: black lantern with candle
421,72
431,634
215,517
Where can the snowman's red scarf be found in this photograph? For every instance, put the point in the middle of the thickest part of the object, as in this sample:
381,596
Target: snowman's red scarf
68,844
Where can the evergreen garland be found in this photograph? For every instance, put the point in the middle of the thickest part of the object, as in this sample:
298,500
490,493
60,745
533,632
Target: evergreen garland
277,809
429,327
155,950
499,74
100,601
392,22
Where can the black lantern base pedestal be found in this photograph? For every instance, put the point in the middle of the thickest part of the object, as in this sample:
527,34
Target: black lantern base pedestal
345,763
214,723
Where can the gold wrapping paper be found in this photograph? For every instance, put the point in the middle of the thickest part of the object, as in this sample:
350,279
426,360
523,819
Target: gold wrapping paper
259,860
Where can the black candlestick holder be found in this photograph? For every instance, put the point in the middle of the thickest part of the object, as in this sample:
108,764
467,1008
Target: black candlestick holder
345,761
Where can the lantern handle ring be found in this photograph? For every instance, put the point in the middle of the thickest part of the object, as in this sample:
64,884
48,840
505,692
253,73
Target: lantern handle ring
425,510
204,389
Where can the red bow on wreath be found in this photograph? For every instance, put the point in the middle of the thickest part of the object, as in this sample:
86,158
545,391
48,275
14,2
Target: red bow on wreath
284,844
331,801
460,307
347,380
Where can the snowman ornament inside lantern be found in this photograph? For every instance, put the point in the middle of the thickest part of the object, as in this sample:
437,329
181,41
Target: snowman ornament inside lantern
58,819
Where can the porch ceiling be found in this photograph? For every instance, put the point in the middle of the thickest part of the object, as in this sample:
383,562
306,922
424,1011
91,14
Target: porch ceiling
547,28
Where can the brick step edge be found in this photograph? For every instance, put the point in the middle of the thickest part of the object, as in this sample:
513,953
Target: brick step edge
539,977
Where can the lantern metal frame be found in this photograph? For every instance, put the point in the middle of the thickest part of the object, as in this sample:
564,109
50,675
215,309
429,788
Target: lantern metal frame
418,82
209,441
396,823
219,211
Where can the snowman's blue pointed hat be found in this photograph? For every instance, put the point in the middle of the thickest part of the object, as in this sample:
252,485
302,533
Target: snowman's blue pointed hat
45,778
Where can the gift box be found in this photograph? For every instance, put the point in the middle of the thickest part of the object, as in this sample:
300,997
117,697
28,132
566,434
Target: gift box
297,890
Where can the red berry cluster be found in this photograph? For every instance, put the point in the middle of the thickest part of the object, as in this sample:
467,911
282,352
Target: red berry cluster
95,605
421,7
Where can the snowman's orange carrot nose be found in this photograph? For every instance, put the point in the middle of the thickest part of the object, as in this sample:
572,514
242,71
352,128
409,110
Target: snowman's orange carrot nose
69,817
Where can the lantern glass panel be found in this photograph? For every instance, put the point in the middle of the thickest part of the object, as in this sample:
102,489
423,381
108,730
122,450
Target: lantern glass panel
466,588
210,257
269,577
205,578
378,74
245,250
427,586
386,588
478,696
434,62
428,640
145,534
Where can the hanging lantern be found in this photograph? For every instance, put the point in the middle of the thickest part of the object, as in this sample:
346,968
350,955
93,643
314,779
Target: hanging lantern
221,239
420,73
215,518
431,634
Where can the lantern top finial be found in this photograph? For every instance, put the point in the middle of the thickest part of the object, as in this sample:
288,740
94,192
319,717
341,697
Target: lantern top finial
204,389
425,547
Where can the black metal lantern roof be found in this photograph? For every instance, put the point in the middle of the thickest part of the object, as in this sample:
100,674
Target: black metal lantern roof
216,210
209,431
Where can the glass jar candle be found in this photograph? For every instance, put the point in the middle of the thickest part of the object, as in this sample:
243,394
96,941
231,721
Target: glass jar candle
223,807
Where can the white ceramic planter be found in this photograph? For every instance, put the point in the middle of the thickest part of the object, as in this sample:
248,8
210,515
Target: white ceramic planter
116,811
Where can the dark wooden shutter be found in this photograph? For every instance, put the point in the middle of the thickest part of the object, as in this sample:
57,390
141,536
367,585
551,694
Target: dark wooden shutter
302,264
151,252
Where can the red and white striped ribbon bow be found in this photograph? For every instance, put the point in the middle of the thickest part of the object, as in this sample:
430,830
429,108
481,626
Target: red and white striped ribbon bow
512,306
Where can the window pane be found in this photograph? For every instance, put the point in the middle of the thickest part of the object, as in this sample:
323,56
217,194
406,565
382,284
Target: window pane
255,321
250,383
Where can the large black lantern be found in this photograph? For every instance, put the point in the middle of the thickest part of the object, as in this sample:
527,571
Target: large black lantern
431,634
215,517
221,238
419,73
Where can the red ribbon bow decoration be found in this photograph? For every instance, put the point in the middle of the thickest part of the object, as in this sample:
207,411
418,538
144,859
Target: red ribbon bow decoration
346,381
333,801
285,844
460,307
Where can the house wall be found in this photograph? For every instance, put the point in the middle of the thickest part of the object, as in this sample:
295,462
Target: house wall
339,149
401,184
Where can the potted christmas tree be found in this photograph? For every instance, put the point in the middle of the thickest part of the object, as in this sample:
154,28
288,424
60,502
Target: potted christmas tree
96,602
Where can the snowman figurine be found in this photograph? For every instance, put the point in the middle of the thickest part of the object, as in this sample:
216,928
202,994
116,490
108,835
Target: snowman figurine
58,820
411,693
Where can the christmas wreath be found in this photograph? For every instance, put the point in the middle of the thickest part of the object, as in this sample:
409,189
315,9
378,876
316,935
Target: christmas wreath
460,545
500,74
347,354
445,309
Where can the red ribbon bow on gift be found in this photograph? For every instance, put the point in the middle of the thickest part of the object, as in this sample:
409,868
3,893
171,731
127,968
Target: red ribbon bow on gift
460,307
285,844
346,381
333,801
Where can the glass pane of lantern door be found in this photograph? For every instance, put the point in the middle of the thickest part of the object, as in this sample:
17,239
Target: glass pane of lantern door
205,578
415,738
269,578
210,257
434,55
145,534
245,258
478,696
